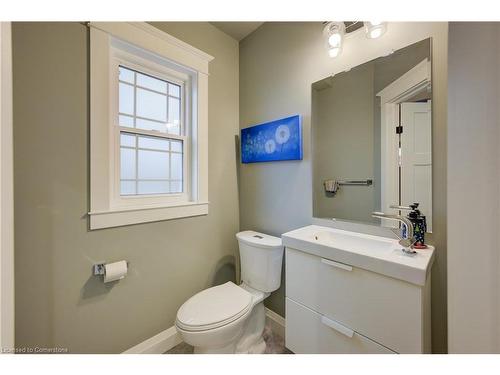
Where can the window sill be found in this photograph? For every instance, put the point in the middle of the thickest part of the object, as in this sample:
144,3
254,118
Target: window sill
137,215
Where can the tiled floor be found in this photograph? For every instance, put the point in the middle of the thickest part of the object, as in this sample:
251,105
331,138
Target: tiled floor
182,348
275,344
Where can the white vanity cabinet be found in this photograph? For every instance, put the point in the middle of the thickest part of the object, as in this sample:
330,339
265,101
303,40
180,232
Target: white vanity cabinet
337,307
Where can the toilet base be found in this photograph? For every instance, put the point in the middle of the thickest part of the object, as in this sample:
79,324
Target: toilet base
252,342
257,348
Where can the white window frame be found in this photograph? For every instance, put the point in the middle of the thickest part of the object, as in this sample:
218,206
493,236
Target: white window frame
146,49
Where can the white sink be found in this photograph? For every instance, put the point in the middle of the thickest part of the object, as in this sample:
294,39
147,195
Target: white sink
373,253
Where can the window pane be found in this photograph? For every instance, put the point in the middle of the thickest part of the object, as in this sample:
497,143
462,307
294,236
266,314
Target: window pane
126,75
151,105
127,163
176,171
126,100
126,121
127,188
153,187
176,146
151,83
150,125
153,164
127,140
153,143
174,90
176,186
174,111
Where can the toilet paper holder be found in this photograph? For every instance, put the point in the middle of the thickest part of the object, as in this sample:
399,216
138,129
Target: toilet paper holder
99,270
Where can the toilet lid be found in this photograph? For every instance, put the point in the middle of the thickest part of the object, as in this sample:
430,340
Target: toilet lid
214,307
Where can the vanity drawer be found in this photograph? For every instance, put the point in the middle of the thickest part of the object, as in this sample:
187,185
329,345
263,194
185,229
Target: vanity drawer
384,309
308,332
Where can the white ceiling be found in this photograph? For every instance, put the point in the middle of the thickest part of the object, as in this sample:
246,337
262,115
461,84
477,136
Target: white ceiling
237,30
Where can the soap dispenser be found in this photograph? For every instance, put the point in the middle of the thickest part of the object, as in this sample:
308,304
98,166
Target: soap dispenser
419,225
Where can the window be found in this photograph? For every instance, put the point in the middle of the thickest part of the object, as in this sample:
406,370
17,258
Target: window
148,126
151,134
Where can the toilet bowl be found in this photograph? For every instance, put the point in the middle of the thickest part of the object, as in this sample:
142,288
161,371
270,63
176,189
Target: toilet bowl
229,318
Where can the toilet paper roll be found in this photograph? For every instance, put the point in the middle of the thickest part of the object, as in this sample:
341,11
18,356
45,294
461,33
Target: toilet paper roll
115,271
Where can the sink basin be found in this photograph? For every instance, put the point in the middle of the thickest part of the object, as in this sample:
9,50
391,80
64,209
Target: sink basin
353,241
378,254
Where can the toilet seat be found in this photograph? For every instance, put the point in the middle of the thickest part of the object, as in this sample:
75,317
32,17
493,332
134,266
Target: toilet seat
214,307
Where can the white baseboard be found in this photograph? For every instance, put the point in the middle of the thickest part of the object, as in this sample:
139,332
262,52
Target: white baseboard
169,338
157,344
277,322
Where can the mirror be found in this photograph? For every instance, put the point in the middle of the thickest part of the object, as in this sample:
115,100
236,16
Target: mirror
372,137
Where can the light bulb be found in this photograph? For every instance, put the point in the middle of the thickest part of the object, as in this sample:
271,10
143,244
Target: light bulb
375,30
334,39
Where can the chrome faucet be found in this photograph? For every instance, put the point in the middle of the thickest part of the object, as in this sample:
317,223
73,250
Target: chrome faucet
407,242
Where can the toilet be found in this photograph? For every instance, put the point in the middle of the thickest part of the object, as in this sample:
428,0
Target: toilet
230,318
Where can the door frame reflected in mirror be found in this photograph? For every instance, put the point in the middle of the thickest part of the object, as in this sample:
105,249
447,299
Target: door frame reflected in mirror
414,82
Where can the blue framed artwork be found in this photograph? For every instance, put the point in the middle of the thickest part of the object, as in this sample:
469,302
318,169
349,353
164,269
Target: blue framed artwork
272,141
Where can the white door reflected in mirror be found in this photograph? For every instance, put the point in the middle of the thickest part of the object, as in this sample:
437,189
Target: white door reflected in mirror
416,157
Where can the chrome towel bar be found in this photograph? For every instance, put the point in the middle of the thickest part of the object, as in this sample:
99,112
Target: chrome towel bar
366,182
332,186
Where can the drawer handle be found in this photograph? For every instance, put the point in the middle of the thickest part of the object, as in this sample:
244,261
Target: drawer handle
336,264
337,327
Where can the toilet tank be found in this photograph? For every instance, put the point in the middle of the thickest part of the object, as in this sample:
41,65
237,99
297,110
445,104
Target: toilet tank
261,257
